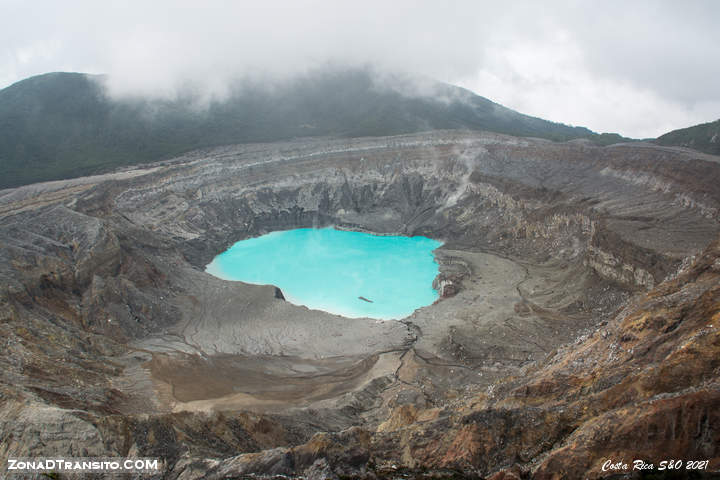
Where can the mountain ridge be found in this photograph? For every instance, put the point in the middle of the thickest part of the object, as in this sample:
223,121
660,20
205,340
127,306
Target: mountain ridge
63,124
704,137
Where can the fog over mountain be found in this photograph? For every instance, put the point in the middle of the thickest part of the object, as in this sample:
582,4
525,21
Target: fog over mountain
62,125
640,69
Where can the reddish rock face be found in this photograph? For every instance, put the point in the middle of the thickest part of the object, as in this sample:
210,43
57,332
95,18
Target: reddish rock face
645,387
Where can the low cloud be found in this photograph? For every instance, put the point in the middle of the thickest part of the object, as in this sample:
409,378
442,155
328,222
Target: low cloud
640,68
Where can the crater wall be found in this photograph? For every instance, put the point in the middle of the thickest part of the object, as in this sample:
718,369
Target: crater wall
113,331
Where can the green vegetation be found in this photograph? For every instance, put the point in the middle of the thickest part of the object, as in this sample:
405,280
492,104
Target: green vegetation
704,137
62,125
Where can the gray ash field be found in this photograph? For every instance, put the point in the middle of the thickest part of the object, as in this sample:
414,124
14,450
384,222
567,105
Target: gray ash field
115,342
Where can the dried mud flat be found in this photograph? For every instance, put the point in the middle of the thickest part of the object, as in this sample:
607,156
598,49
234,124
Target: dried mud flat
205,364
116,342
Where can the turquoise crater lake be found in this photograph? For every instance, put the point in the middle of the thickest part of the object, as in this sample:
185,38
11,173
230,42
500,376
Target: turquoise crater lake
347,273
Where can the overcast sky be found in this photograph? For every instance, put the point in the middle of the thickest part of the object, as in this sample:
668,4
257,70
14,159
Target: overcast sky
633,67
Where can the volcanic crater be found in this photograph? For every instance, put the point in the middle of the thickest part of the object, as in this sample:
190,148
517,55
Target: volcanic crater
118,343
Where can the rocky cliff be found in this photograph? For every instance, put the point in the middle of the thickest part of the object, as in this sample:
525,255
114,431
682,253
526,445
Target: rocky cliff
578,320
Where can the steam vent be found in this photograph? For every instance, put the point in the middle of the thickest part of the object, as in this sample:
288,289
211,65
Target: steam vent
576,316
